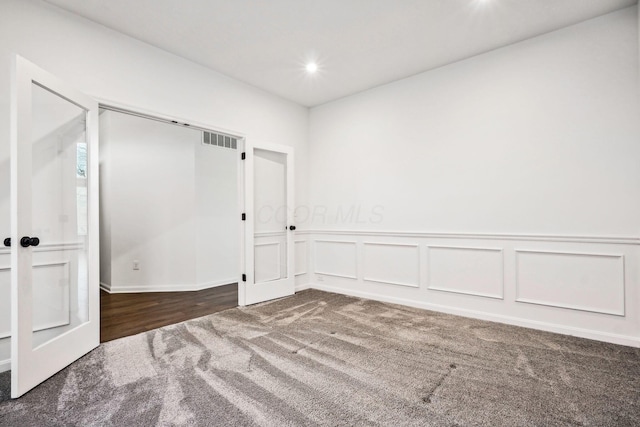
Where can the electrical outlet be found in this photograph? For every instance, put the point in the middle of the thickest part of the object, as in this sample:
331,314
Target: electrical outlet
136,264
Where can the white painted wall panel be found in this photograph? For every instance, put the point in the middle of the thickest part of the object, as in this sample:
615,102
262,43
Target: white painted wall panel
394,264
473,271
5,303
336,258
267,262
579,281
153,201
217,224
51,293
301,254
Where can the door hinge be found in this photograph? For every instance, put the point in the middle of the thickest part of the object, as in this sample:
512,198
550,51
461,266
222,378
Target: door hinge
244,156
244,216
244,277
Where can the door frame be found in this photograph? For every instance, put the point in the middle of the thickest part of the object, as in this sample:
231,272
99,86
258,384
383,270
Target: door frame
112,105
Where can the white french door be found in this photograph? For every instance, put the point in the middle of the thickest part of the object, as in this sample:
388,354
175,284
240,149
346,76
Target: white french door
269,228
54,226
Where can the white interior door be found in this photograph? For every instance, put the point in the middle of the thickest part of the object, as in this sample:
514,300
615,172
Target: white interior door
54,226
269,229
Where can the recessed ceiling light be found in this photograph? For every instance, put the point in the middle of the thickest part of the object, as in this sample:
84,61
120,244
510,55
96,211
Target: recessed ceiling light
312,67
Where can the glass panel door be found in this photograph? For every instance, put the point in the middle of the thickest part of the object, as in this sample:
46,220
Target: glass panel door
54,257
269,226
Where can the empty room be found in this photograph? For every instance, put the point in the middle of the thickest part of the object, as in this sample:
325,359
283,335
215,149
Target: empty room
309,213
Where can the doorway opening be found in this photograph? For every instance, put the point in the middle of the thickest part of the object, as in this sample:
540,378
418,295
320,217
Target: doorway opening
169,221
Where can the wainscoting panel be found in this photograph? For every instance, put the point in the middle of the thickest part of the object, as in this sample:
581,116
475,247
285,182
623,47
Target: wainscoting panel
267,261
392,263
301,257
5,301
578,281
51,296
588,286
336,258
472,271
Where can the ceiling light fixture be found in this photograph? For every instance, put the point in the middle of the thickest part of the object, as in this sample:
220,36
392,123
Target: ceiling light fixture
312,67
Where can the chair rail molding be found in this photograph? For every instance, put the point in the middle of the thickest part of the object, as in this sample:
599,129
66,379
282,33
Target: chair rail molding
621,240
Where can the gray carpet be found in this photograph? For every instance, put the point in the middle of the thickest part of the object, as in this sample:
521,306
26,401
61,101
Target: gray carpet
324,359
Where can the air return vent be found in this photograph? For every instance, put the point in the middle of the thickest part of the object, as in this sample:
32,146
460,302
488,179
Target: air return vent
224,141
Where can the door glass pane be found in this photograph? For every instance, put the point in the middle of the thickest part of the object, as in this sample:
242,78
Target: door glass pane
59,215
270,220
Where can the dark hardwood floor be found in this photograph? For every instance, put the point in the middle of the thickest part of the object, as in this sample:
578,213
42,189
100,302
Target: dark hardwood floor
122,315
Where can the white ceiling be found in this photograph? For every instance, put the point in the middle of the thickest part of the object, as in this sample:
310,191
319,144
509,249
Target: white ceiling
358,44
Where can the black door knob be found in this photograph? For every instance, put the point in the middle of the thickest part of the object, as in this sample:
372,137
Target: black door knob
7,242
27,241
292,227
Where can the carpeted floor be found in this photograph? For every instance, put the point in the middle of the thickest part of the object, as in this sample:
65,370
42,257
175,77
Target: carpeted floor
324,359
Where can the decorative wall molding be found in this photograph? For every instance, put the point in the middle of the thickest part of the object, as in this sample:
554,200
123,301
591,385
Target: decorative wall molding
262,234
277,274
397,264
63,246
66,320
608,292
5,365
301,261
342,258
49,247
5,323
166,288
475,276
53,323
620,240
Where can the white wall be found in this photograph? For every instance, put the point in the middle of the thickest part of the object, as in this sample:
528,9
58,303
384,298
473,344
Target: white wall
111,66
217,218
475,146
433,186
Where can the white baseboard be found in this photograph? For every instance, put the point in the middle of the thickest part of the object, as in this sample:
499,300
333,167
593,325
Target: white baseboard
165,288
5,365
543,326
303,287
